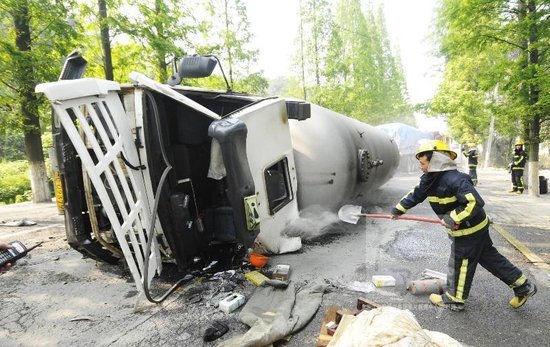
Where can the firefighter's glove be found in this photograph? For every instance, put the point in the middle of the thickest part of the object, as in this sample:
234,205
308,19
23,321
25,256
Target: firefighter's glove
449,222
395,213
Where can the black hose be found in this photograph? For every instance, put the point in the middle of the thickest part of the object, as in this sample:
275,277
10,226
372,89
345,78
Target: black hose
133,167
159,299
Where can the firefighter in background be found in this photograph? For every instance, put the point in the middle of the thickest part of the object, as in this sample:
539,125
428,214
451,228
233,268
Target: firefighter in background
456,202
517,166
472,155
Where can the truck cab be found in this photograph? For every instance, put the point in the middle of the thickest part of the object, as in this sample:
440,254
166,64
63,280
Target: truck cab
159,173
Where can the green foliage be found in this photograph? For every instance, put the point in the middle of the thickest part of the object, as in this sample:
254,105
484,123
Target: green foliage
254,83
229,39
36,35
162,27
127,57
126,52
317,22
497,64
14,182
52,37
349,65
12,147
47,143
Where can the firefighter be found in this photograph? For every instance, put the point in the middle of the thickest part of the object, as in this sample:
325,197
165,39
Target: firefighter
472,155
517,166
456,202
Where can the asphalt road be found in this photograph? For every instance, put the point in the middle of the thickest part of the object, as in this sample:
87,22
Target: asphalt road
55,297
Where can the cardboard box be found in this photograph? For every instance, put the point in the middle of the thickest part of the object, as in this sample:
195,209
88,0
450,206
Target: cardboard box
281,272
256,277
231,303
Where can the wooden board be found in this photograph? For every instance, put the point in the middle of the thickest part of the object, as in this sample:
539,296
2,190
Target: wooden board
330,315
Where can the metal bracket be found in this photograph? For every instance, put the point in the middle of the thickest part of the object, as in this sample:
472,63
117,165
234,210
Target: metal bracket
251,211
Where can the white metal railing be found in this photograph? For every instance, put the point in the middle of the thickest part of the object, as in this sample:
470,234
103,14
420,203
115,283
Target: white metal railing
92,107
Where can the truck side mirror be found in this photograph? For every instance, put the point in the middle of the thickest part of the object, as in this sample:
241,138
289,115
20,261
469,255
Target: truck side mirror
193,66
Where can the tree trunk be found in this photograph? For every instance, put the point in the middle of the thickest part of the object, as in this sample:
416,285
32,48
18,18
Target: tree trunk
228,44
302,58
28,105
105,40
534,92
161,52
316,46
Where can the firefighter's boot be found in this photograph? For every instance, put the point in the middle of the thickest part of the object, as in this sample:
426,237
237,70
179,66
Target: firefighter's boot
445,302
523,293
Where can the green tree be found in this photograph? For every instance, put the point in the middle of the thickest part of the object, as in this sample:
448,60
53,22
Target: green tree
302,58
105,39
364,77
12,147
230,40
497,43
163,28
314,34
110,51
37,34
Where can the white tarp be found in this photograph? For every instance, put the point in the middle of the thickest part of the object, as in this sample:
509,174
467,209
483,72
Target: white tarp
387,326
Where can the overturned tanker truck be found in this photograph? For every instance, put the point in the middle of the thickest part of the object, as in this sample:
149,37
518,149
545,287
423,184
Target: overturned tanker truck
160,173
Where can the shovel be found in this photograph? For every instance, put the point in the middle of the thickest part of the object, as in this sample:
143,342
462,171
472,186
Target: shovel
352,213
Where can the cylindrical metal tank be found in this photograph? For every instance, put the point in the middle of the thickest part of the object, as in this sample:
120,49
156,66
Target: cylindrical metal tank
339,158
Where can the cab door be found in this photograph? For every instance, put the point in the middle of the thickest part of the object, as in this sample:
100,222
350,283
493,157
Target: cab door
270,159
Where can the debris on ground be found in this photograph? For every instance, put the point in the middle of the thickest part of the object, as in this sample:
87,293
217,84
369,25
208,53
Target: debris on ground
258,260
356,286
281,272
274,313
430,282
369,324
333,316
216,330
383,281
231,303
386,326
256,277
82,318
426,286
276,284
17,223
427,273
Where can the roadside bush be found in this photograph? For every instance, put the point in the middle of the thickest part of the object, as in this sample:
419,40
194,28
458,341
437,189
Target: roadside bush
15,185
12,147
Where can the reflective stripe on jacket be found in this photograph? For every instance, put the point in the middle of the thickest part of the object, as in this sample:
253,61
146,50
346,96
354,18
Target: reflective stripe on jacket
520,158
451,196
472,157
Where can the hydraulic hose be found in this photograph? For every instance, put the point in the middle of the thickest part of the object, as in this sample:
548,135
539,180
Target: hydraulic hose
151,229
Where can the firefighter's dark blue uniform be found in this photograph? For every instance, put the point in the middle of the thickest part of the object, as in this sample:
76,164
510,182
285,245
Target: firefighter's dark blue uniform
472,164
454,199
518,166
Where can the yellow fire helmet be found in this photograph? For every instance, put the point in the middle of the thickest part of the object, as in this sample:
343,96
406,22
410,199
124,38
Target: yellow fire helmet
518,143
435,145
471,144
